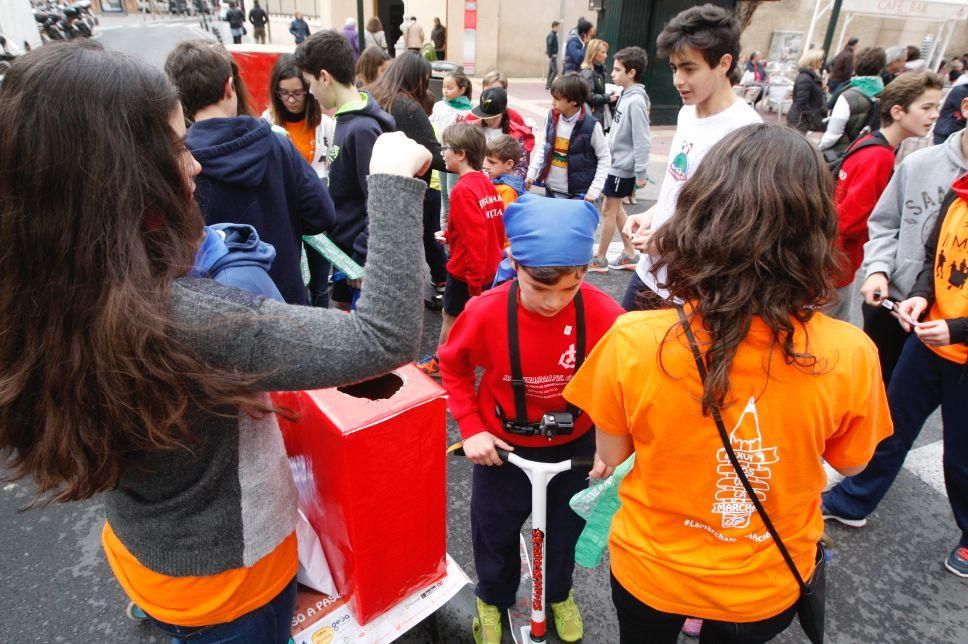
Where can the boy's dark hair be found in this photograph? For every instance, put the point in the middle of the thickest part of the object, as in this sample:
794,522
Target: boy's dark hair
871,61
327,50
554,24
712,30
571,87
469,139
633,58
551,275
904,90
912,52
504,148
199,71
583,27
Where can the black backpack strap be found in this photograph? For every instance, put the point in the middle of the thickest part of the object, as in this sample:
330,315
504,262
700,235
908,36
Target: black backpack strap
517,376
514,352
579,342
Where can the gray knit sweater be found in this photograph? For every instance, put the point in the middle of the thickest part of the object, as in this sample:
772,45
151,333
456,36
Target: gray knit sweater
231,500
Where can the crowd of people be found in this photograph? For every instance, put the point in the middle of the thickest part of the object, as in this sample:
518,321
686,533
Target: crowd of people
168,245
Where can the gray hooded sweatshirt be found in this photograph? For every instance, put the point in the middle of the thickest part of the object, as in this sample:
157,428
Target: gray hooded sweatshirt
904,215
629,138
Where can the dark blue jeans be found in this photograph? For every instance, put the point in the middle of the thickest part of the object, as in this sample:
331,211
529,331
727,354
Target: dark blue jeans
921,382
269,624
501,503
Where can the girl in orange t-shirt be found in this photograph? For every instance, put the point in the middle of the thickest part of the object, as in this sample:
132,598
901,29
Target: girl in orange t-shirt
752,260
294,109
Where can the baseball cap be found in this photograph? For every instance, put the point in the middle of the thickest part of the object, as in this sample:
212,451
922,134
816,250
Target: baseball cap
494,101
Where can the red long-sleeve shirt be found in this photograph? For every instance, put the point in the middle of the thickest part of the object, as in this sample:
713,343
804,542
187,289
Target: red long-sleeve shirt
475,231
479,338
863,177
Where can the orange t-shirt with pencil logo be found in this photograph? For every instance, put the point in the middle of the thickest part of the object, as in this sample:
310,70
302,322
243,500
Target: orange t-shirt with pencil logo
687,539
951,274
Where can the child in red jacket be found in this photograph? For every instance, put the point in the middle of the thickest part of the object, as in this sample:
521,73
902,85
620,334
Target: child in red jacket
475,228
559,320
909,106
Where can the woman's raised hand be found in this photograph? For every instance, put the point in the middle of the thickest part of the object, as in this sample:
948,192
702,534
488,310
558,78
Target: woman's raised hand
394,153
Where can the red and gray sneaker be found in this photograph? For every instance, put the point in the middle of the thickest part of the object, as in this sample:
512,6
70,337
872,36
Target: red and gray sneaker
598,265
624,263
957,561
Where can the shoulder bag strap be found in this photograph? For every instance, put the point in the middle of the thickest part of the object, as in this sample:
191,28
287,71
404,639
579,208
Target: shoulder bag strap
750,492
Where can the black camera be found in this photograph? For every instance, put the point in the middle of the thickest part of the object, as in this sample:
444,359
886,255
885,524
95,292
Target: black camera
551,424
556,422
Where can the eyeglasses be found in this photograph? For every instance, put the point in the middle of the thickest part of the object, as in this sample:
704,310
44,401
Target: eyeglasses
299,94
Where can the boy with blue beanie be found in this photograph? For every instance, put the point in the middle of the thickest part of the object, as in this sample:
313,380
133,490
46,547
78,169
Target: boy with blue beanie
558,319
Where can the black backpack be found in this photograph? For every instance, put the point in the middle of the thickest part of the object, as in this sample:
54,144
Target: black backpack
834,164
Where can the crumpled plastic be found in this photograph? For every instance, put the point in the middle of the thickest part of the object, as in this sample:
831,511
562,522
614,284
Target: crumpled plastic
597,505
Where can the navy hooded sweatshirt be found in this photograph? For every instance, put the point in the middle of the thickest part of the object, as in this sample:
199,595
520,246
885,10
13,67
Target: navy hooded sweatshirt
252,176
358,124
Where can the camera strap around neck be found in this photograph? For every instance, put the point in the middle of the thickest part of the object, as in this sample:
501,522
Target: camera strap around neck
514,349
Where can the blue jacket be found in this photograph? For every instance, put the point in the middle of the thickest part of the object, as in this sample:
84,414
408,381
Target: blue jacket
582,160
233,255
512,180
950,120
252,176
357,127
574,53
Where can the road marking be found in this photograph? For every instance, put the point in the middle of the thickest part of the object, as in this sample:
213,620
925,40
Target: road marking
923,462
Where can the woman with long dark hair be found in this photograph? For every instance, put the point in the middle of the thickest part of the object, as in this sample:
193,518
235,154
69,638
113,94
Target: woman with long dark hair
121,376
402,92
750,254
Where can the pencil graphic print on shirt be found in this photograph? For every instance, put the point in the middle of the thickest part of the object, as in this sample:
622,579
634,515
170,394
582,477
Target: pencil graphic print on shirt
732,501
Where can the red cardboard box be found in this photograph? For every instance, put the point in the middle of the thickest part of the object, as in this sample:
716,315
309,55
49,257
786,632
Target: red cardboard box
372,457
255,66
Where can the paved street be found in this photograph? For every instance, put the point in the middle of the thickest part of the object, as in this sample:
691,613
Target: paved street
886,582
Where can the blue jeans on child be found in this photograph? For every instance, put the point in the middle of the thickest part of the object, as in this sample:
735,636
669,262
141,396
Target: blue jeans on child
922,381
501,503
268,624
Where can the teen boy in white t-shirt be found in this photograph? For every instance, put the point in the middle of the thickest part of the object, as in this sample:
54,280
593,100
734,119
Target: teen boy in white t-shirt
702,44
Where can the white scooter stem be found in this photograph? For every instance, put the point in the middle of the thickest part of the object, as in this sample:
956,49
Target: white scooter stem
540,474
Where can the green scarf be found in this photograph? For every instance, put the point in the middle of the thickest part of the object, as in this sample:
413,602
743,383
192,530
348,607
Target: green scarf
460,103
869,86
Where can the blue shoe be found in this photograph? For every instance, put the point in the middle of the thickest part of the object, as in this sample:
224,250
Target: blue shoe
135,613
957,561
839,517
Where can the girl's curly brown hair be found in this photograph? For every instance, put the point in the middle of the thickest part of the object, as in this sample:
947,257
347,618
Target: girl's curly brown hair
752,236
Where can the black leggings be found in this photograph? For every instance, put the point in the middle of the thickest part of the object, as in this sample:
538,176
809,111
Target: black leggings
639,623
433,251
